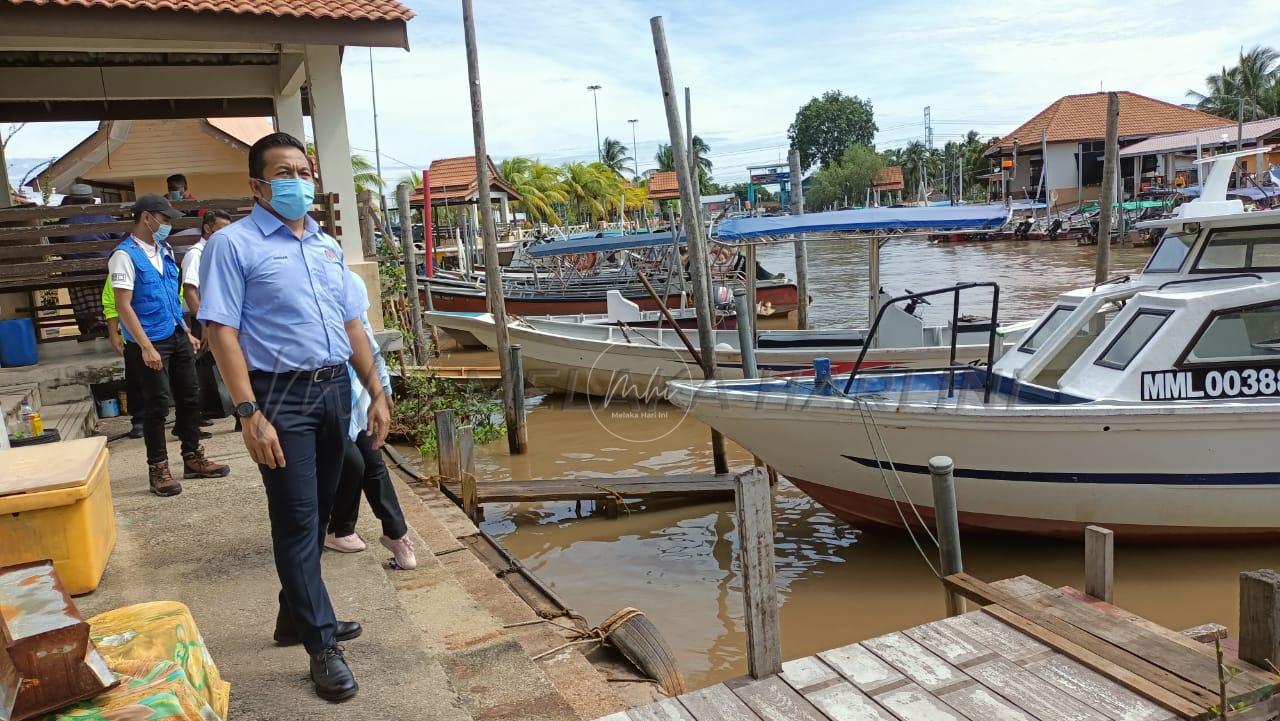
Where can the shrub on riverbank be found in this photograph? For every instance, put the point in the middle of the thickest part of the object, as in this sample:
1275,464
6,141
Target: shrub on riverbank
474,404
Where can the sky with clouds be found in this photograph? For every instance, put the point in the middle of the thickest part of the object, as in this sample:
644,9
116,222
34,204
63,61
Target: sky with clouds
751,65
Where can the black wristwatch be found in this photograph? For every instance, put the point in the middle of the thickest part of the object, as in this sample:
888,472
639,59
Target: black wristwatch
246,409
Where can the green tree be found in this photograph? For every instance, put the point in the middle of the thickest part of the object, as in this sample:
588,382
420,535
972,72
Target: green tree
592,190
846,180
413,178
365,175
614,156
666,161
824,127
539,187
1254,79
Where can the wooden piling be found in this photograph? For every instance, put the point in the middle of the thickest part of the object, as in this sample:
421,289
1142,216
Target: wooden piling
1260,617
492,268
754,506
467,473
941,470
750,256
447,445
692,224
1099,563
517,375
1110,163
802,250
411,275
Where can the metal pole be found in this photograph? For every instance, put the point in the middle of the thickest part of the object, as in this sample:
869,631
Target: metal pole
411,274
377,147
492,271
595,102
947,519
635,155
801,250
746,333
752,302
692,224
1109,161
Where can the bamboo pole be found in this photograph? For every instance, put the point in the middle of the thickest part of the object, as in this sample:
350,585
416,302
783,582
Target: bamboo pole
802,250
411,275
692,224
492,270
1110,160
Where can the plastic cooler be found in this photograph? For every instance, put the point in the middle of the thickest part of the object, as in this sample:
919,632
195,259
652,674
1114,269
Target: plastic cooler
17,343
55,503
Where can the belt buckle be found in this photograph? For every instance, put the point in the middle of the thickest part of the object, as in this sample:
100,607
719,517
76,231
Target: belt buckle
322,374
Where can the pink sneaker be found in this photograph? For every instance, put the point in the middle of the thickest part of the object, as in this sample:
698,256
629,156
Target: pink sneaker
346,544
402,549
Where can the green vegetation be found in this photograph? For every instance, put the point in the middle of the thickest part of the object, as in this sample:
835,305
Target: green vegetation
918,162
413,417
845,181
573,192
613,155
824,127
1252,85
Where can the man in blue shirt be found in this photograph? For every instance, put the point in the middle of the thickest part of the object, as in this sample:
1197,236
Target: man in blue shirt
283,321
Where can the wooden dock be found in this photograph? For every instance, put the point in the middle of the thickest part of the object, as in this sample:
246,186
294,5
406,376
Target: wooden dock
1031,653
611,493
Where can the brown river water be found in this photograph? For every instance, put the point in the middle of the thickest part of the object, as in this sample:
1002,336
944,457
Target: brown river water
837,584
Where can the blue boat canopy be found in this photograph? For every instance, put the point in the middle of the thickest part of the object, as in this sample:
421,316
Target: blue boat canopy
958,217
598,242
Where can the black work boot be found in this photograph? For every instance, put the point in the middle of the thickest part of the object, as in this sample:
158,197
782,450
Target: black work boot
332,676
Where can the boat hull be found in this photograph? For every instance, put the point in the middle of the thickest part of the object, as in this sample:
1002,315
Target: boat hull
1044,471
773,300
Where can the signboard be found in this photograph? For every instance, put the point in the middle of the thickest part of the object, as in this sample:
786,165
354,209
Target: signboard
1211,384
771,177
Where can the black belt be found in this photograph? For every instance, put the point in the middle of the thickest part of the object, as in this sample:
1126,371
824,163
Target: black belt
318,375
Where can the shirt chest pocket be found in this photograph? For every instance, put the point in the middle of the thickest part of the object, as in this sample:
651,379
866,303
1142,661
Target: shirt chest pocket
330,275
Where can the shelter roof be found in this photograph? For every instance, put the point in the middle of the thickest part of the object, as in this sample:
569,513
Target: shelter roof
1084,117
717,198
314,9
889,178
664,186
1251,132
454,180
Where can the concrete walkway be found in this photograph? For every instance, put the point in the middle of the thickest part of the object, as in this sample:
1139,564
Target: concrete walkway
430,650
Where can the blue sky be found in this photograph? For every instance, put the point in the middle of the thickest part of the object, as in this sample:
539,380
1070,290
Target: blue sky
751,65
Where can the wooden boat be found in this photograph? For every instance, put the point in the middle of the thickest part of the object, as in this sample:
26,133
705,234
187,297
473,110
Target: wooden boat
1148,404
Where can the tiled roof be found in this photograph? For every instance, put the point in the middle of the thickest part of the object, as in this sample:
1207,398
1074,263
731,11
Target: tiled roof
1266,129
663,185
889,178
313,9
455,179
246,130
1084,117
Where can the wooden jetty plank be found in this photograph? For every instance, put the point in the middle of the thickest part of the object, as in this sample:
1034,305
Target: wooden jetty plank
803,673
1021,586
957,647
717,703
915,661
664,710
912,703
593,489
1001,638
863,668
844,702
619,716
773,700
978,702
1030,692
1108,697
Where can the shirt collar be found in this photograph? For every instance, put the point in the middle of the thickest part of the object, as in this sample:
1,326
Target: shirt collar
268,223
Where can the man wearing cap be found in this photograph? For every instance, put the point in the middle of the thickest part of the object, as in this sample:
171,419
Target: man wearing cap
144,276
283,320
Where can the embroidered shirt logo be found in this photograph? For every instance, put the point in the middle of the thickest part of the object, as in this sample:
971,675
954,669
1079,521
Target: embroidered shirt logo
330,256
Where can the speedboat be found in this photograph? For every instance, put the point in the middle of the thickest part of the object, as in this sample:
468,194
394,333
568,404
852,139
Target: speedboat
1147,404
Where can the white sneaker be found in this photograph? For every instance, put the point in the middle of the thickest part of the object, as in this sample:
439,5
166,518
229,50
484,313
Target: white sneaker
346,544
402,549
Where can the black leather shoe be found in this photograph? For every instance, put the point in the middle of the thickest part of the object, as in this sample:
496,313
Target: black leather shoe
345,631
332,676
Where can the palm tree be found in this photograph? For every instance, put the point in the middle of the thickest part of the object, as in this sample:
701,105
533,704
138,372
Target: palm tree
666,161
614,155
538,185
1251,87
592,190
413,179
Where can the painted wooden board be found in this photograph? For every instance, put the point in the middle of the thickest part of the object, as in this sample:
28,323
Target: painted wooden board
843,702
912,703
805,672
717,703
863,668
1098,692
1001,638
665,710
915,661
1019,586
1032,693
950,643
773,700
980,703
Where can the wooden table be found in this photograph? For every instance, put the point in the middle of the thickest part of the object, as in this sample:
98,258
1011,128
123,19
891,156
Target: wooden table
1031,653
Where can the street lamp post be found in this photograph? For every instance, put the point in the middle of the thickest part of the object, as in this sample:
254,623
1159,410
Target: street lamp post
635,157
596,103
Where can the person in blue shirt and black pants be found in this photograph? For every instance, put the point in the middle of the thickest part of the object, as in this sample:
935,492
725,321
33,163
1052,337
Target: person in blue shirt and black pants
283,320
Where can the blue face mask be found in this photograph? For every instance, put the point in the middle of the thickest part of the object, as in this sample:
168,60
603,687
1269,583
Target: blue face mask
292,197
175,195
161,233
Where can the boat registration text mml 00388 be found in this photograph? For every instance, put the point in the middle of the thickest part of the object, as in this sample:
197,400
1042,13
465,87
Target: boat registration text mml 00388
1202,383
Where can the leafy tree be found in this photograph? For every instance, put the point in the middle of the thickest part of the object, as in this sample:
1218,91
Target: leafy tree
364,175
614,156
413,178
592,190
539,187
846,180
666,161
1255,79
824,127
763,194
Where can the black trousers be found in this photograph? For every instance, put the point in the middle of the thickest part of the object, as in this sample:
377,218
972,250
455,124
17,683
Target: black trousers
310,418
133,395
174,383
364,470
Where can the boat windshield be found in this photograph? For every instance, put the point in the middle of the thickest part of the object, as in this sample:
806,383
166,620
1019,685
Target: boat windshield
1248,335
1046,328
1243,249
1170,253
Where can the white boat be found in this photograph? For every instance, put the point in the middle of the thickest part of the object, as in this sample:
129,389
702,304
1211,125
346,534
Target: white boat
1149,404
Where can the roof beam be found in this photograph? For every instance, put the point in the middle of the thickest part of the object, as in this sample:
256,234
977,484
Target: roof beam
137,83
62,110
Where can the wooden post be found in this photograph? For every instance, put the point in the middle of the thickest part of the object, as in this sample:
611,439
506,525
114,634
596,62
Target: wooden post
692,224
1110,161
517,373
754,504
467,473
746,334
750,256
1099,563
447,445
411,275
363,206
941,469
802,250
873,283
1260,617
492,269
